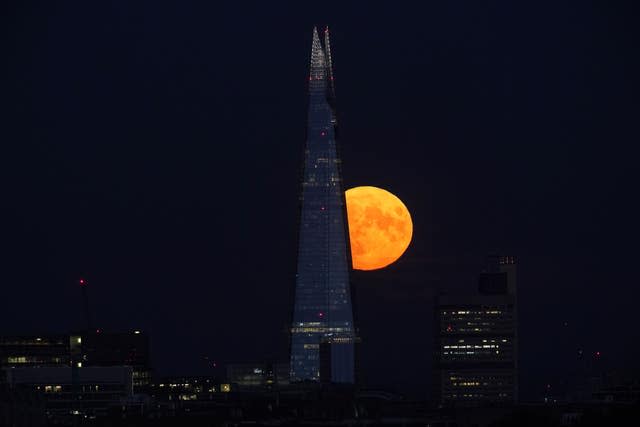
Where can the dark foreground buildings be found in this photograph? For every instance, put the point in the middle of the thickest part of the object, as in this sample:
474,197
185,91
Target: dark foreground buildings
72,391
323,313
84,349
76,375
258,375
476,357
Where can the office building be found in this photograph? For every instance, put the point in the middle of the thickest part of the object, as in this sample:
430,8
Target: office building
332,351
322,307
100,348
85,349
476,357
34,351
72,391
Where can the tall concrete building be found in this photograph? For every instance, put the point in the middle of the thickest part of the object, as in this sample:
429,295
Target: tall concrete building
476,340
322,309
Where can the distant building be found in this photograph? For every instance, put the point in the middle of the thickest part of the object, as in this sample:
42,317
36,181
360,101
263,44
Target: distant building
476,340
183,388
258,375
332,351
73,391
618,389
86,349
34,351
116,349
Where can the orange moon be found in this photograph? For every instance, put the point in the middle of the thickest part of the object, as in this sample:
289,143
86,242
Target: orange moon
380,227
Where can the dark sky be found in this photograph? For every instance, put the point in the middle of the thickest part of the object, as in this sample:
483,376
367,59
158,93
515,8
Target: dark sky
154,148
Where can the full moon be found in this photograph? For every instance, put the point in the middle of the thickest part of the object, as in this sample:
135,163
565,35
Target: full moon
380,227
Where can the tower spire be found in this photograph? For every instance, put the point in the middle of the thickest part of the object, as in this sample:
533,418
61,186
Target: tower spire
318,60
329,65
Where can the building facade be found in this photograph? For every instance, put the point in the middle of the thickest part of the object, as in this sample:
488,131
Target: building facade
86,349
476,357
119,349
72,391
333,350
322,307
34,351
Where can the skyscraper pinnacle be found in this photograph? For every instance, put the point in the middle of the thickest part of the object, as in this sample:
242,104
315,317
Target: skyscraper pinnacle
318,67
327,49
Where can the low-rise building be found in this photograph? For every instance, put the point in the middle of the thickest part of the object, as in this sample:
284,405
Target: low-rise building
72,391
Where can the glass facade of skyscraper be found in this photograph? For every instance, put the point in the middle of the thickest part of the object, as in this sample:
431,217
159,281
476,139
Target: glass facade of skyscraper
322,309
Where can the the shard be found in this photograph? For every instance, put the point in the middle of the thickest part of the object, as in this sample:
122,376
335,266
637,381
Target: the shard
322,330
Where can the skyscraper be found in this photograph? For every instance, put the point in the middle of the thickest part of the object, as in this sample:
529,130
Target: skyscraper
322,309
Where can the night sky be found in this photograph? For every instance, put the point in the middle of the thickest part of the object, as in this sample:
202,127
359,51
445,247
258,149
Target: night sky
155,150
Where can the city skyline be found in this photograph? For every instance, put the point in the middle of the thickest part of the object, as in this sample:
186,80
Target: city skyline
157,156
